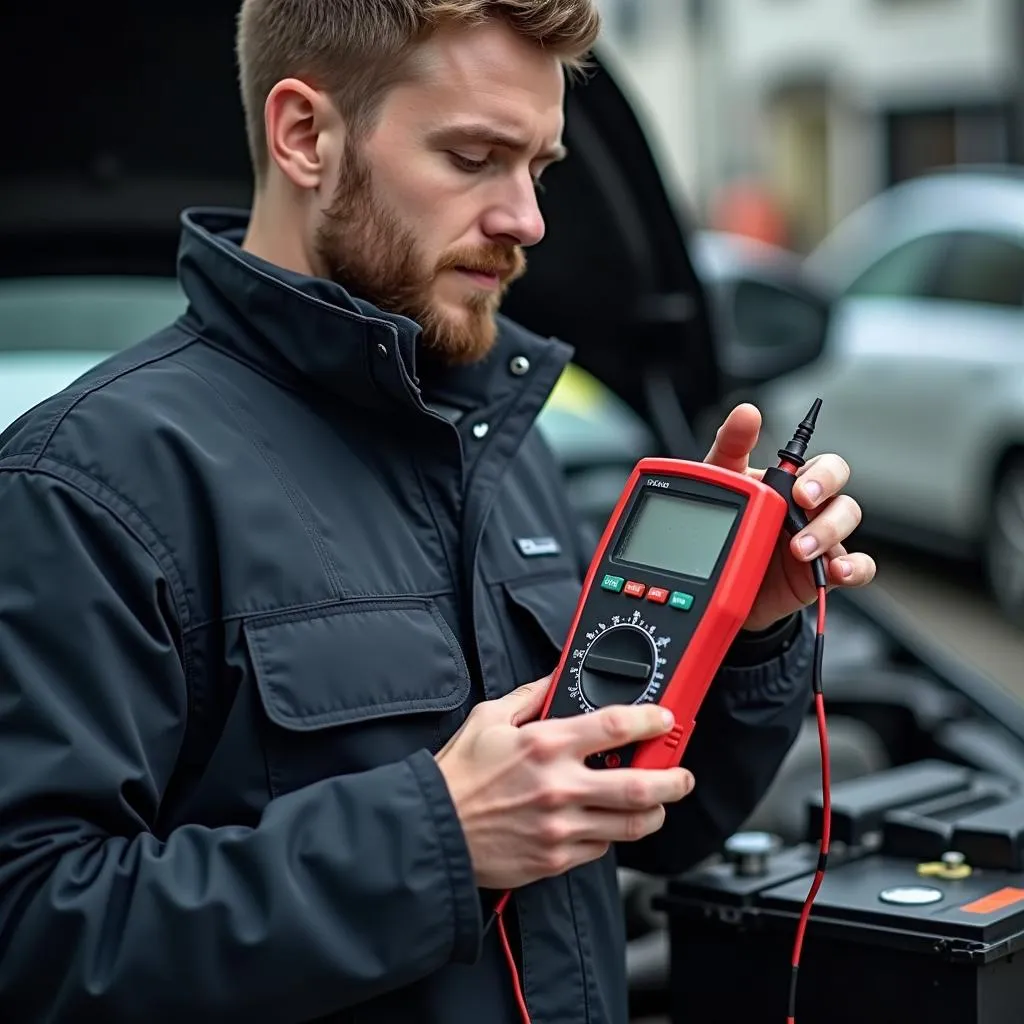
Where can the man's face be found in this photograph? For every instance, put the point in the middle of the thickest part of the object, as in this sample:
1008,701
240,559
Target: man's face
435,205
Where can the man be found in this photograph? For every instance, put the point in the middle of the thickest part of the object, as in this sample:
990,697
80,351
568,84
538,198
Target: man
265,749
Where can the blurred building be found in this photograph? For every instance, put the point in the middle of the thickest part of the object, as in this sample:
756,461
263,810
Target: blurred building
650,47
821,102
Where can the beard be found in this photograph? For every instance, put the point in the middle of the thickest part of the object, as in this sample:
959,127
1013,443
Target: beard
366,249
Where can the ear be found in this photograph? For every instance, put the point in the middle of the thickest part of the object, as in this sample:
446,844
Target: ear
303,128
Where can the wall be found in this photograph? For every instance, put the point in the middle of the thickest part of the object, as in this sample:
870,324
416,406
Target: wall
797,92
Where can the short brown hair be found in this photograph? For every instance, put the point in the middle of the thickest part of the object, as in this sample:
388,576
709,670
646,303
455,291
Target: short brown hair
356,49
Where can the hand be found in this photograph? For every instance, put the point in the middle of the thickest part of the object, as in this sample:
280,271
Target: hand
529,807
788,585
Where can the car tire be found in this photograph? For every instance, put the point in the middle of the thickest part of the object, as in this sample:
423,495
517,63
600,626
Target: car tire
1004,540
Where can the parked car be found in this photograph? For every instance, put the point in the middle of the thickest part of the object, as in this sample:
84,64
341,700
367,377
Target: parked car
90,222
923,371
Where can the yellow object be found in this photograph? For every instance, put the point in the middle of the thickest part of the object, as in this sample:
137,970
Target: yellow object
947,872
577,391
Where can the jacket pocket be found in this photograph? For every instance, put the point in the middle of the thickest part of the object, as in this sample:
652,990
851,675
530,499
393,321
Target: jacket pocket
353,687
540,615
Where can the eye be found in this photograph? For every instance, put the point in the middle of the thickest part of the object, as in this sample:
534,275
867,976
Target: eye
470,166
464,163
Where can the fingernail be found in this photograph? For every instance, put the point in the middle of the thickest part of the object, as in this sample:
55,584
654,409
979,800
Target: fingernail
845,568
808,545
668,718
813,490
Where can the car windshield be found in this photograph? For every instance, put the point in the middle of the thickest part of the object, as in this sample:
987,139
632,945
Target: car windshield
50,328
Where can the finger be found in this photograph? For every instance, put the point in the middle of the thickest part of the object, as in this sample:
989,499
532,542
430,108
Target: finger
611,727
835,555
831,527
736,439
523,704
581,853
636,789
821,478
852,570
614,827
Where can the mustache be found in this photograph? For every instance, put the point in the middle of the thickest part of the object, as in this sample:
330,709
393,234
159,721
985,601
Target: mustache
503,262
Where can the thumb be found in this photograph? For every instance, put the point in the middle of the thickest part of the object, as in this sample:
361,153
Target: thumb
525,702
736,439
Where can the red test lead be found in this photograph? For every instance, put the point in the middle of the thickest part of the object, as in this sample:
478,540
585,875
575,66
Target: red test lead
672,581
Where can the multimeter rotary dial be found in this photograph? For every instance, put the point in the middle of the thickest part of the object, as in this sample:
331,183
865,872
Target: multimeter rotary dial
620,665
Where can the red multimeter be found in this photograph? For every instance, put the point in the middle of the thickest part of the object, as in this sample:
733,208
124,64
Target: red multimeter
672,582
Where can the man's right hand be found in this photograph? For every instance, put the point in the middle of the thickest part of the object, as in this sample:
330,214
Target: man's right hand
528,805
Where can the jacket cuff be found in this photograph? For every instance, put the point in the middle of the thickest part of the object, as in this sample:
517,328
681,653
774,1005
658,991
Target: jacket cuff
788,668
755,648
467,915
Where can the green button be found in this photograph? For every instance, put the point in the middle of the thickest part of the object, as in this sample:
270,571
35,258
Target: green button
615,583
684,602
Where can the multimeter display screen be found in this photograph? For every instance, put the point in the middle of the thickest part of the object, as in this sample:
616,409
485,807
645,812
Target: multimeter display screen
677,535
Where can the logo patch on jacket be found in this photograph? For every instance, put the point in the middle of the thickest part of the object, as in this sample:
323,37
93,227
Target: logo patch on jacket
538,547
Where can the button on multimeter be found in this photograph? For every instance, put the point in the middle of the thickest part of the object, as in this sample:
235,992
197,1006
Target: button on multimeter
658,595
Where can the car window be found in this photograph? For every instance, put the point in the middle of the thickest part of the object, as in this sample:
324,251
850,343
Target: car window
84,313
983,268
907,271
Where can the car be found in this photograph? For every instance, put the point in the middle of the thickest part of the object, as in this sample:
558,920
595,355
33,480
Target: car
656,311
922,376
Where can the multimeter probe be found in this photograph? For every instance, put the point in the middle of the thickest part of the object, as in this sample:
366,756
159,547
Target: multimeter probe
672,582
782,477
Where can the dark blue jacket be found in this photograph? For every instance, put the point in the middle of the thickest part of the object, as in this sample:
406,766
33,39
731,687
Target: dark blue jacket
251,578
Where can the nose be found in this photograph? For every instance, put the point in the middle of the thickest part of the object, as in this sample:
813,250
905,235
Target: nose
514,217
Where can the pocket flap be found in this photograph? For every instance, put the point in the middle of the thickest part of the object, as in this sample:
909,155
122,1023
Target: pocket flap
356,662
551,602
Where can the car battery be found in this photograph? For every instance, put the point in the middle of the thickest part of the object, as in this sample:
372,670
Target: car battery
894,934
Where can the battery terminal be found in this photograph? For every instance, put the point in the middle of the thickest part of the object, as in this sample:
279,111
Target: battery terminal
953,867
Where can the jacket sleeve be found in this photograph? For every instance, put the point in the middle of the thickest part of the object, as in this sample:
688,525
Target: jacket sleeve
342,890
747,724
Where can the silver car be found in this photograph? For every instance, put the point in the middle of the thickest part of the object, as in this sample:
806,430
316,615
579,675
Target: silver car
923,370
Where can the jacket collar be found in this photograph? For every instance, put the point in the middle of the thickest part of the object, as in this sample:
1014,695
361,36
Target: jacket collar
310,331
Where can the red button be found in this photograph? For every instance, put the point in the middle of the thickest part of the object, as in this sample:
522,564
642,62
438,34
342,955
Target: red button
635,589
658,595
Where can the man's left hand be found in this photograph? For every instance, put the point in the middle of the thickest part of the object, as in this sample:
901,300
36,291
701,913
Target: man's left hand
788,584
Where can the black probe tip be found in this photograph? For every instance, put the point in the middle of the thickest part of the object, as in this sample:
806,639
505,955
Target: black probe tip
795,451
812,417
